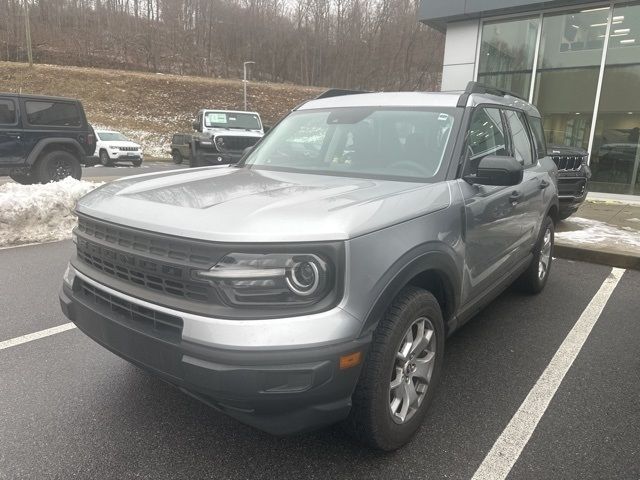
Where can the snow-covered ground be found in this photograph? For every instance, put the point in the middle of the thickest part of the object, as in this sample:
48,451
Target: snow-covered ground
594,234
39,213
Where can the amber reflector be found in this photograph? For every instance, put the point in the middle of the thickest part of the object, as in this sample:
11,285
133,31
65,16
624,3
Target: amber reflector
351,360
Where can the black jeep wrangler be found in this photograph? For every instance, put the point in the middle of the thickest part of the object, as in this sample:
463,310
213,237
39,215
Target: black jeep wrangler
43,139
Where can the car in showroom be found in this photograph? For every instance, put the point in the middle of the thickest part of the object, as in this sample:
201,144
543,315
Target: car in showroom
316,281
113,147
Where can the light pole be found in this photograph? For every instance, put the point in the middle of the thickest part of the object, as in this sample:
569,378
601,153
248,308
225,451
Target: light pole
27,27
244,81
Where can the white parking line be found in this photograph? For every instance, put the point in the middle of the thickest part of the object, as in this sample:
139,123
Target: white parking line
508,447
36,335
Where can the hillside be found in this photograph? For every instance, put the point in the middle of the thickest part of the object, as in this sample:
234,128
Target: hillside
145,106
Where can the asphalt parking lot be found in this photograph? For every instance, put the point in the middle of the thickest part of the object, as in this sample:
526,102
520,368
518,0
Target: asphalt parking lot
71,409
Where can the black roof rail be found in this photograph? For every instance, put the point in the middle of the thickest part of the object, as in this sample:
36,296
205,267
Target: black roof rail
338,92
475,87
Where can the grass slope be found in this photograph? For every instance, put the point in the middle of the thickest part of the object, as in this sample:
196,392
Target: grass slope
149,107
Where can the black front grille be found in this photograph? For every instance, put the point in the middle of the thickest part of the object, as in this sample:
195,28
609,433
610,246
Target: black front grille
144,260
128,149
574,187
226,143
568,162
146,319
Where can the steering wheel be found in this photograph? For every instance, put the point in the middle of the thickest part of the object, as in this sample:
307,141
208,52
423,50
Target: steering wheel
409,165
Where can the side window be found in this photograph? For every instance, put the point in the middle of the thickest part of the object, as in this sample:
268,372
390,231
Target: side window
52,114
538,136
7,112
522,150
485,137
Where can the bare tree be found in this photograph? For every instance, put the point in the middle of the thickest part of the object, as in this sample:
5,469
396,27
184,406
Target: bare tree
375,44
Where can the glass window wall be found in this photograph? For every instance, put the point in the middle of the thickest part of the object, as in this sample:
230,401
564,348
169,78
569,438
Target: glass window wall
507,54
615,158
569,61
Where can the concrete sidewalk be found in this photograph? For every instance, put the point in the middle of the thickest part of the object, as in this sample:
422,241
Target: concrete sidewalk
606,232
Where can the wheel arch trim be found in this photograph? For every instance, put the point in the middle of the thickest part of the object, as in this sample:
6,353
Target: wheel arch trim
432,257
42,144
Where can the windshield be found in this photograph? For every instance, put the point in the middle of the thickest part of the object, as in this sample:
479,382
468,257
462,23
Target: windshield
359,142
244,121
112,137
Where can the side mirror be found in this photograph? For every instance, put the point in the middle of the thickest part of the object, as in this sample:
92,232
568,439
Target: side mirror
196,126
497,171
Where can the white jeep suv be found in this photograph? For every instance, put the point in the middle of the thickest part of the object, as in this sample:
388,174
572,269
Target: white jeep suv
114,147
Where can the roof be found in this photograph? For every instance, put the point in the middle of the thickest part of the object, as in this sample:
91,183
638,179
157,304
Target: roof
227,111
416,99
386,99
437,13
38,97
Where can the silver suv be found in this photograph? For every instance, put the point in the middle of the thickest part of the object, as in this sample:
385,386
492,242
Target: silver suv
316,281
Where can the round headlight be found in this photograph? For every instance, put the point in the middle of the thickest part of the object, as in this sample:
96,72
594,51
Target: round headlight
303,278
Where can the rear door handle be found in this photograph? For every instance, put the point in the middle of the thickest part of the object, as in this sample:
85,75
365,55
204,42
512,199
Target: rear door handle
544,184
14,135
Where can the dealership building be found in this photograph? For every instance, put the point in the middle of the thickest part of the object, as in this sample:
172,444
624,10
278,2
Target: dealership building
578,62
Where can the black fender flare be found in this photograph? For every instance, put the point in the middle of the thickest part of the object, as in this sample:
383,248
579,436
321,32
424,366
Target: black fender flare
435,257
42,144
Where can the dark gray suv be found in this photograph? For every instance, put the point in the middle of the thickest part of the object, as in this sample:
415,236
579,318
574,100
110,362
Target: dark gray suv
316,281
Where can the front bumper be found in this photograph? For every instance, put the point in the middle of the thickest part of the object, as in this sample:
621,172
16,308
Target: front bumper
573,188
280,391
213,157
125,156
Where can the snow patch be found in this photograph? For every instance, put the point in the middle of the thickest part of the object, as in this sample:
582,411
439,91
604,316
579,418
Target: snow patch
595,233
39,213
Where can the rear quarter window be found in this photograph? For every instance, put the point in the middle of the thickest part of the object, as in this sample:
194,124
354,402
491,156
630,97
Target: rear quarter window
538,136
7,112
52,114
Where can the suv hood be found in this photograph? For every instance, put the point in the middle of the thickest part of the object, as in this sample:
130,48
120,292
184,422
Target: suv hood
230,204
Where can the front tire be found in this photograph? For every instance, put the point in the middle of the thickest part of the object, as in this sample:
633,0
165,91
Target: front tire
57,165
177,157
401,372
535,277
104,159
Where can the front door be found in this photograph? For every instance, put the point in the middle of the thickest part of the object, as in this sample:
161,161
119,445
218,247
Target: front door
11,142
493,215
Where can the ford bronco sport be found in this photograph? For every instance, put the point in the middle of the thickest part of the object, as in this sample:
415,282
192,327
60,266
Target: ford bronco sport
43,139
222,136
316,281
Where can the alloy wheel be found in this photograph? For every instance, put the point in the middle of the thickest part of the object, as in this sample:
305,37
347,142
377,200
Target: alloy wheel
545,255
412,370
60,169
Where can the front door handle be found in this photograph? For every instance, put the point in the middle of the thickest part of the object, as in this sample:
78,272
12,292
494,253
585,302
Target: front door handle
514,198
14,135
544,184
